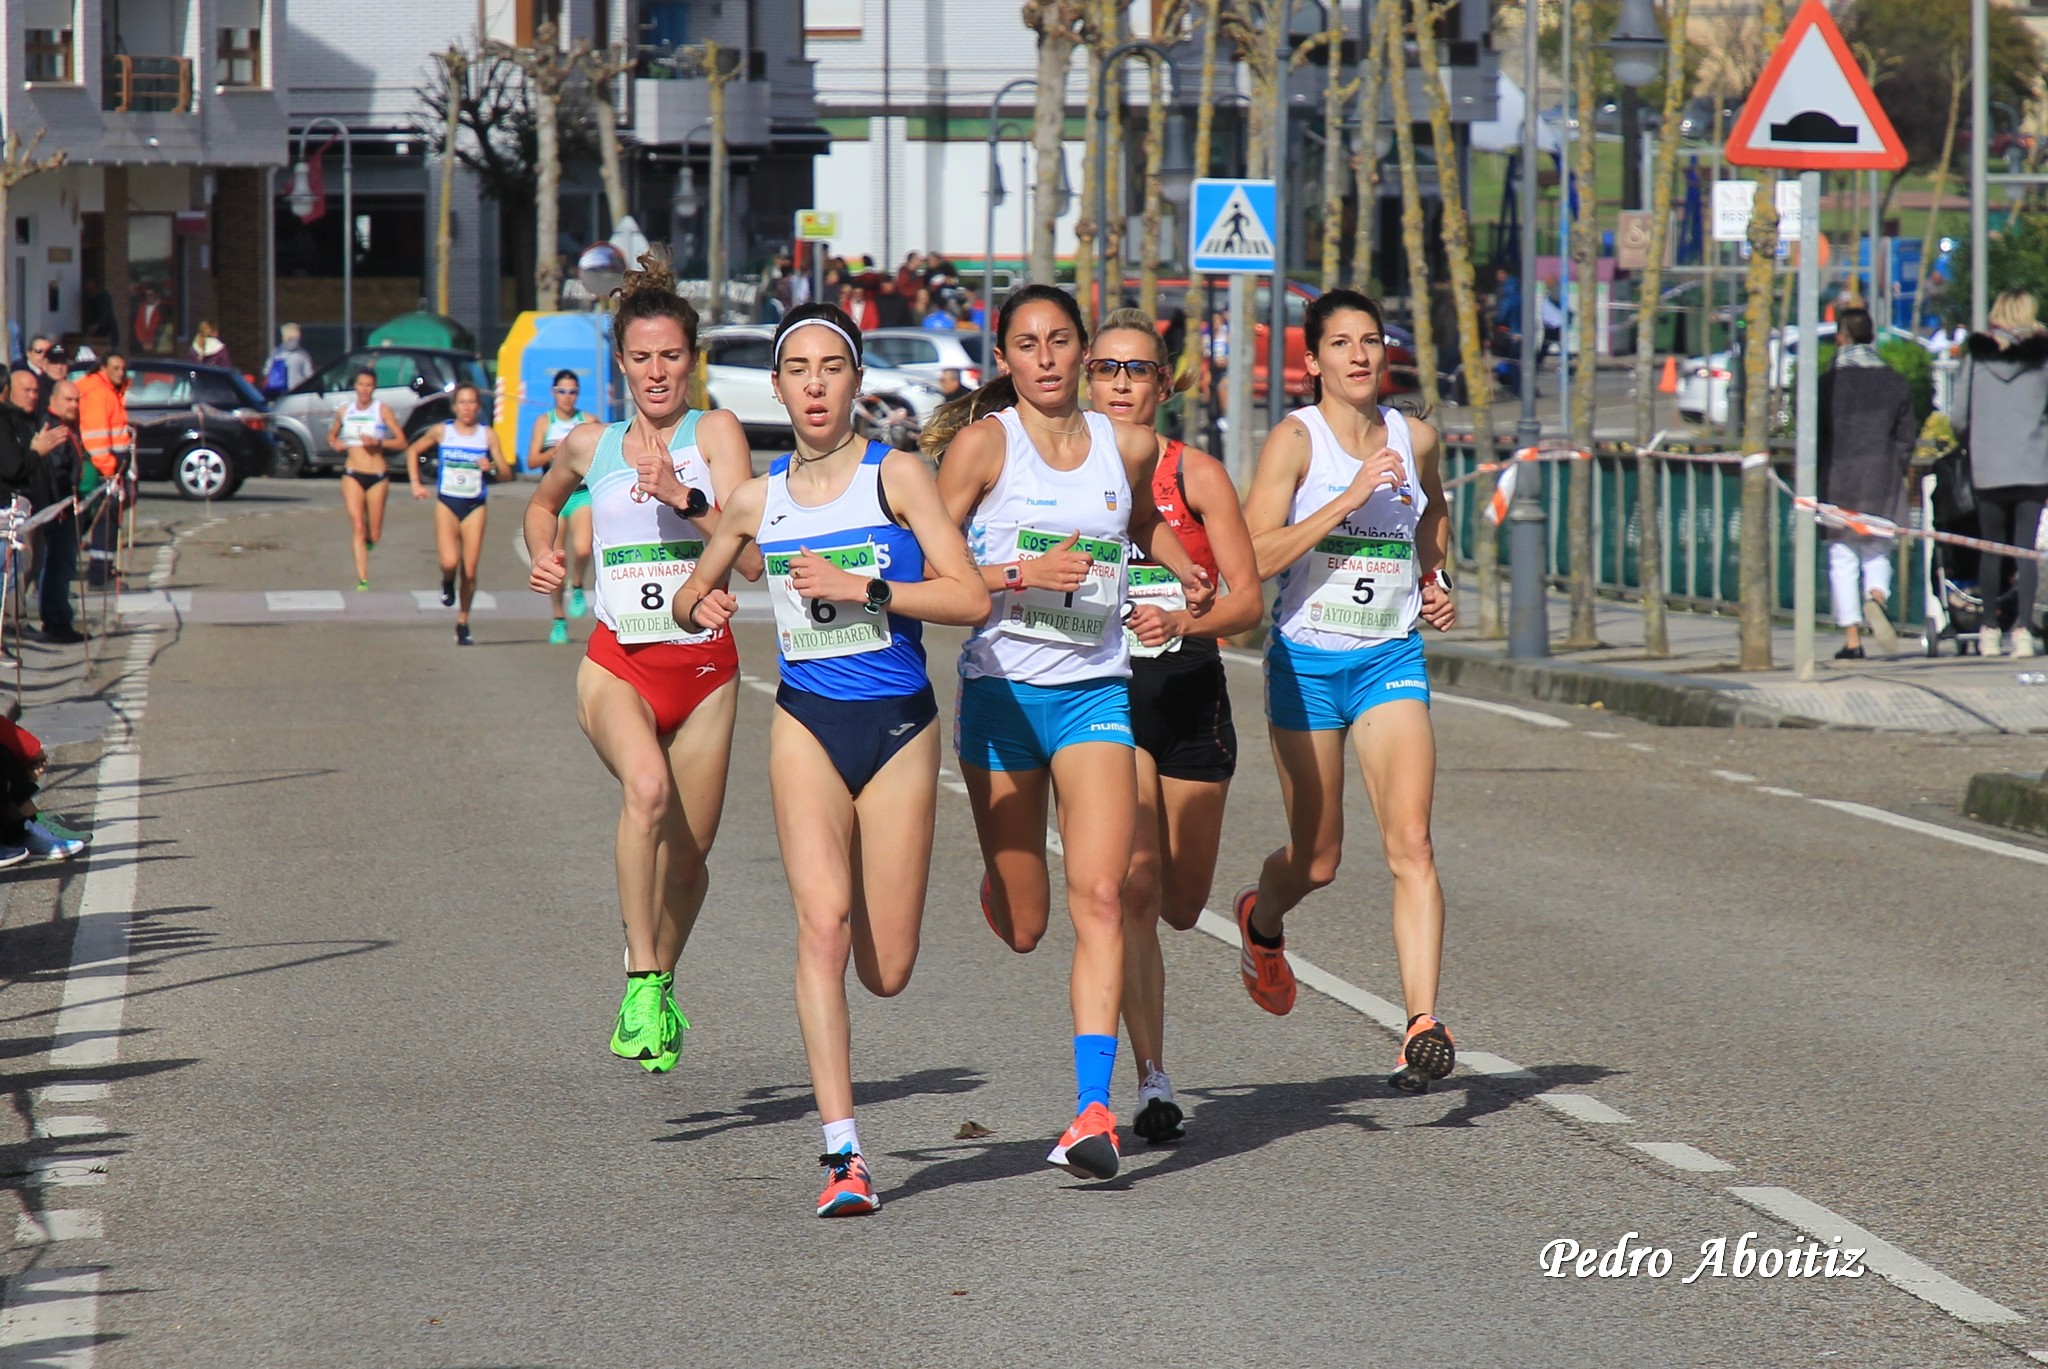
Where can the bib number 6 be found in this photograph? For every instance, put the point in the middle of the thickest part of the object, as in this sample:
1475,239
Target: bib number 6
823,611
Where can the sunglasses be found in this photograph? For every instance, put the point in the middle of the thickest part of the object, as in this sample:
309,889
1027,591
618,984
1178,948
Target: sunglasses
566,390
1105,368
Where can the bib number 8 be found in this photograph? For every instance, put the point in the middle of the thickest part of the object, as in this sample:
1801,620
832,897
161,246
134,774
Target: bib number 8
651,597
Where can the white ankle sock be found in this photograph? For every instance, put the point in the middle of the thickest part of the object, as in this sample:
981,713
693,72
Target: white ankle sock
841,1136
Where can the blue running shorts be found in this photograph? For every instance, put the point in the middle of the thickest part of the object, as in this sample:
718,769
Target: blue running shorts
1309,689
1005,725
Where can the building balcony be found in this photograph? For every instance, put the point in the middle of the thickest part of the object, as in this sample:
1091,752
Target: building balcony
147,85
670,111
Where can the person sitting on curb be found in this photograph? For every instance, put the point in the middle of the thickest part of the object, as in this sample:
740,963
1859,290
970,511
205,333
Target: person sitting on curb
1867,431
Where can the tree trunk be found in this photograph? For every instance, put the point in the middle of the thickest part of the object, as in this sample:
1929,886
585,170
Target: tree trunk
1365,156
1411,205
1583,631
608,146
1335,92
1091,167
1155,146
1054,23
547,264
1472,348
1958,81
1759,528
1193,354
714,260
1650,546
1114,166
456,65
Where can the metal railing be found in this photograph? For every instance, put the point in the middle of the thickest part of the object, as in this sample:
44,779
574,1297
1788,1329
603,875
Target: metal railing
147,85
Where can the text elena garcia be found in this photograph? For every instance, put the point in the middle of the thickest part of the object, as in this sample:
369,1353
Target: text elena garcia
1746,1257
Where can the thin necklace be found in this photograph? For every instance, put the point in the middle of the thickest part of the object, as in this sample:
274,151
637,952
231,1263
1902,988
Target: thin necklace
797,458
1064,432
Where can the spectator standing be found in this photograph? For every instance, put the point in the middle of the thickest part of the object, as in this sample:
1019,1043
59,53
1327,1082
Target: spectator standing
2000,414
21,447
103,425
289,363
891,307
1867,433
99,319
940,319
207,348
950,387
58,564
37,359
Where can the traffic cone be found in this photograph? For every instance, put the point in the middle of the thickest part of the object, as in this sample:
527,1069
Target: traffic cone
1669,384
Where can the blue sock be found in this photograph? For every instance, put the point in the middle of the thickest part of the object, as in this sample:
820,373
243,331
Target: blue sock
1094,1062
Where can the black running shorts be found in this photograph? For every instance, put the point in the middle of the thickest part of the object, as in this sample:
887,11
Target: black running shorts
1180,712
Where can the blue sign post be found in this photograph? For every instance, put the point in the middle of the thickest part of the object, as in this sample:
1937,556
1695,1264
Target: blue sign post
1231,227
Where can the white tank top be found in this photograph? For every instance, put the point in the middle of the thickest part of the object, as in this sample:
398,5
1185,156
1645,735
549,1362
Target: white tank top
463,460
560,427
1357,587
644,550
1038,636
363,427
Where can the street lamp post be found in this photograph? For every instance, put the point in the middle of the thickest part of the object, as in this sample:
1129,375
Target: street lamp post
988,266
301,202
1528,617
1102,70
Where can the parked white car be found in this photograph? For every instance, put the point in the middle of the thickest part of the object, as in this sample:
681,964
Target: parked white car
737,363
1703,381
924,352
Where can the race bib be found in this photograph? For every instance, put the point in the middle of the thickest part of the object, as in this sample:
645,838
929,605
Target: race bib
814,629
1361,585
461,479
637,583
362,430
1155,587
1077,616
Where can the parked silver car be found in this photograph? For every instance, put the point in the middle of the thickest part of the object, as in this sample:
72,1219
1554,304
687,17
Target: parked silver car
924,352
417,382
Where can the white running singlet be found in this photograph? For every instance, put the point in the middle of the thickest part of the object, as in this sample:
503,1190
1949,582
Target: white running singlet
363,427
1357,587
642,549
464,457
1043,637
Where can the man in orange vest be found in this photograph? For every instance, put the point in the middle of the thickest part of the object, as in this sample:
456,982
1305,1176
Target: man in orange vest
103,424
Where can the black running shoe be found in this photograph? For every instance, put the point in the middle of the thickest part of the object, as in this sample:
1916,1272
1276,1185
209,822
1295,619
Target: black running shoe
447,591
462,634
1427,1053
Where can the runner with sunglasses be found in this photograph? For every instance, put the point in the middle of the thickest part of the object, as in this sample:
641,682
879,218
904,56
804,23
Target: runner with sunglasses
1347,509
1180,700
548,431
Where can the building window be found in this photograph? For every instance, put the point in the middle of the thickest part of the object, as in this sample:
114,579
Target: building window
665,24
240,58
832,18
49,55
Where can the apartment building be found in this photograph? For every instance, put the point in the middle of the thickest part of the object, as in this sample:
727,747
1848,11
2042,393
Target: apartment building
172,125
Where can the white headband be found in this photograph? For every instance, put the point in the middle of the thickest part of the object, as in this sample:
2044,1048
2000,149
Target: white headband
853,351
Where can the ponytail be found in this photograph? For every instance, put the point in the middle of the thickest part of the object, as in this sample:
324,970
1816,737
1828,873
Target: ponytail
949,418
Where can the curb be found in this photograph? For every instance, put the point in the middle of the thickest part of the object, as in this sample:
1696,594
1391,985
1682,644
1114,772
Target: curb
1649,695
2007,800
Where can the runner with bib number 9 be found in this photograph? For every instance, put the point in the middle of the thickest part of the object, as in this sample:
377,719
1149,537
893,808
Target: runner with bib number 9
1045,491
657,702
1347,509
1180,700
861,553
469,460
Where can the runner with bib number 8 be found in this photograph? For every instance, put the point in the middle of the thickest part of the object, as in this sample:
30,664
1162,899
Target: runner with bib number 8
1358,545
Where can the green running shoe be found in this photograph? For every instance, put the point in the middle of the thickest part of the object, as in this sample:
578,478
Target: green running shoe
640,1033
576,604
673,1025
60,830
558,635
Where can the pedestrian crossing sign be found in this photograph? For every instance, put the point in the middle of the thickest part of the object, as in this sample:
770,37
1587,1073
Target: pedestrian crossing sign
1232,226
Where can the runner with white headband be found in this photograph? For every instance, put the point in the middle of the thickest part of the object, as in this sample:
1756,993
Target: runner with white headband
860,554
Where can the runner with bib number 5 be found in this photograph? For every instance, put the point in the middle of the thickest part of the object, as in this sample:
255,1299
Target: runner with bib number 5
1358,545
1045,491
656,702
861,553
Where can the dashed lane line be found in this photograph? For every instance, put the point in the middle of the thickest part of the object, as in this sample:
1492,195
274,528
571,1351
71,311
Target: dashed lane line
1679,1155
1585,1108
1930,829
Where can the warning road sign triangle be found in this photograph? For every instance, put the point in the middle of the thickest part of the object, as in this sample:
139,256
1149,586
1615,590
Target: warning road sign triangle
1237,230
1812,110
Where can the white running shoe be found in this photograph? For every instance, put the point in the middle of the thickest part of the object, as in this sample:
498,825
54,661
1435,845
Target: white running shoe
2024,643
1159,1118
12,855
46,845
1990,642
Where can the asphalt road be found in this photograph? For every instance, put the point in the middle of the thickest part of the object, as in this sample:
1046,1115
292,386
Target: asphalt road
358,1107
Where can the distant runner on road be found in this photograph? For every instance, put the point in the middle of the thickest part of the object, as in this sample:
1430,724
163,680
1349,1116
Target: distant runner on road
468,462
657,702
548,431
1359,546
365,431
860,554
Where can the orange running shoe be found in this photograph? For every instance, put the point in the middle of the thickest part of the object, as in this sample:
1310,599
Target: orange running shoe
1427,1053
1088,1147
1268,978
848,1191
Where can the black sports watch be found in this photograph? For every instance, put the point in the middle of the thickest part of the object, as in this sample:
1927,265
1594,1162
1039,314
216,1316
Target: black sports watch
697,504
878,596
1443,580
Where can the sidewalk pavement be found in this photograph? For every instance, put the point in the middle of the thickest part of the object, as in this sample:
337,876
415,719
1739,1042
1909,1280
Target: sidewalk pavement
1699,685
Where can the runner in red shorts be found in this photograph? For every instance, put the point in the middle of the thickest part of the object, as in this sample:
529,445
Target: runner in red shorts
656,702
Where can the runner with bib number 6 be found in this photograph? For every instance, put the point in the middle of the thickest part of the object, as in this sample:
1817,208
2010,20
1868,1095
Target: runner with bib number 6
656,702
861,553
1358,544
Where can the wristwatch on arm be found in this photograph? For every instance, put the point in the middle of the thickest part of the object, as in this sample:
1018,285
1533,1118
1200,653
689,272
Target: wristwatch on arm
878,596
1013,575
1443,580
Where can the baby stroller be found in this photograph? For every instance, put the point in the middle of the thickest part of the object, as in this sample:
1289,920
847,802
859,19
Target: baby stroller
1955,606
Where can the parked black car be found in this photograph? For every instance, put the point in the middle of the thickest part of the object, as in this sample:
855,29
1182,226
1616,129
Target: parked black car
203,428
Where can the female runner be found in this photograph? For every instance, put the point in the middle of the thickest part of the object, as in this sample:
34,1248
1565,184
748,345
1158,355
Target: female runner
469,460
1180,700
548,431
1043,701
365,431
860,555
657,702
1359,544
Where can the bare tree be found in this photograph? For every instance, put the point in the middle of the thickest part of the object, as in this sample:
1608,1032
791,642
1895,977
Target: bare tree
547,69
1205,125
1583,630
1958,71
16,165
1058,26
602,69
455,72
1758,525
1393,30
1365,155
1169,20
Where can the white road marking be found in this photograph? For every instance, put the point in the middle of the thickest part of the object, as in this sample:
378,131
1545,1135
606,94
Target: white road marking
66,1171
2041,1355
71,1093
1893,1264
1585,1108
304,600
1486,1062
1776,792
1679,1155
1929,829
1605,736
429,601
54,1308
64,1128
1641,746
1733,776
65,1224
138,603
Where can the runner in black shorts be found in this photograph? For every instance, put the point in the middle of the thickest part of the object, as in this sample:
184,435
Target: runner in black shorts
1180,701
